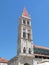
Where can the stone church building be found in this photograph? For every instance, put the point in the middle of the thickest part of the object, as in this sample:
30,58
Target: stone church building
27,52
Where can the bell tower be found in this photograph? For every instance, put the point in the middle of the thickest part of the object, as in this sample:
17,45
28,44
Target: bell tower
25,54
25,39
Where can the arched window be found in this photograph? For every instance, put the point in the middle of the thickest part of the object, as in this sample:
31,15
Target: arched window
24,22
28,22
24,35
26,64
29,50
24,50
28,36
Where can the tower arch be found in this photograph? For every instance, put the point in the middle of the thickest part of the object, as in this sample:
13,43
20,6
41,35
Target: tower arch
26,64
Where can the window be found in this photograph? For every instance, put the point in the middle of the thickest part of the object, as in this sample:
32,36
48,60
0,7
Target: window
23,21
29,51
29,31
24,50
28,22
28,35
24,35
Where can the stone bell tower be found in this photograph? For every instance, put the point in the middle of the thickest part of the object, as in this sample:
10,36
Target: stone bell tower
25,39
25,53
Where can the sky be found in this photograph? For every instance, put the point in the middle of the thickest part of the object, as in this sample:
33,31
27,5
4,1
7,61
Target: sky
10,11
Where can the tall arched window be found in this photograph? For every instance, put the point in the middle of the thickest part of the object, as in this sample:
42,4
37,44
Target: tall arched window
24,22
29,50
28,22
28,36
24,50
24,35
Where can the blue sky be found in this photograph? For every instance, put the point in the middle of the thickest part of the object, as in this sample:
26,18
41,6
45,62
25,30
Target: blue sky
10,10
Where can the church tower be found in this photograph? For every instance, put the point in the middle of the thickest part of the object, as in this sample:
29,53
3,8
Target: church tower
25,40
25,54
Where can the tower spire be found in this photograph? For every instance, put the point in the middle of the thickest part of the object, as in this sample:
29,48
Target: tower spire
25,13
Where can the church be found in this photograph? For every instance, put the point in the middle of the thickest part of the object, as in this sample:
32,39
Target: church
27,52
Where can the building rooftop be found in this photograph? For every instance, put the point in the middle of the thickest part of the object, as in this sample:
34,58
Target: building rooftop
40,51
46,48
2,60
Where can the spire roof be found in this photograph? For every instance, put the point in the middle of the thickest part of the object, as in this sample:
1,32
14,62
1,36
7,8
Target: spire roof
25,13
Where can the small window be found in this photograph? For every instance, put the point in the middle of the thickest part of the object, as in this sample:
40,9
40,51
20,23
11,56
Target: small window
29,51
29,31
24,35
23,21
24,50
28,22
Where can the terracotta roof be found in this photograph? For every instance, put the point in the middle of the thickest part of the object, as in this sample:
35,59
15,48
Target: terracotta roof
41,47
25,13
2,60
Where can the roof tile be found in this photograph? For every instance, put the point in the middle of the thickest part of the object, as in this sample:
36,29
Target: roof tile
2,60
